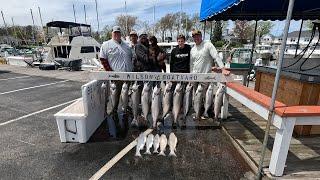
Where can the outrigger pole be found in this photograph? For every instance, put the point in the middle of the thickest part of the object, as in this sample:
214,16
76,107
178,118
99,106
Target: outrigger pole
274,91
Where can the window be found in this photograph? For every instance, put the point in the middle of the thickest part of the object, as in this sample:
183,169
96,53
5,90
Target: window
97,49
87,49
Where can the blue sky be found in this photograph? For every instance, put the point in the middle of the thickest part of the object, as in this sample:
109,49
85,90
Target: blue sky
108,10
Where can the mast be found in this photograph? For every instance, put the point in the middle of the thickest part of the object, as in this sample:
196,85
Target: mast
33,35
97,14
85,14
180,24
5,25
74,14
44,34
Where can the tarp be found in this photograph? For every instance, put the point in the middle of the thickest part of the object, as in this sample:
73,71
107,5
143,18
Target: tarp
258,10
64,24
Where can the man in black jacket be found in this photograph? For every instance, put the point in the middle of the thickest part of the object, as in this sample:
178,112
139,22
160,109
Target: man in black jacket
180,56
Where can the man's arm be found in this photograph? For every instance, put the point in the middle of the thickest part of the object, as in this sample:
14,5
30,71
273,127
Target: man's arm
104,59
214,54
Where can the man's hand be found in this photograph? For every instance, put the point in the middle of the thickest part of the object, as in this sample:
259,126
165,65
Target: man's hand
221,70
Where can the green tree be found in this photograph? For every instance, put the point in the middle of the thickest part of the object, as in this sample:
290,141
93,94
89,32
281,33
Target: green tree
263,28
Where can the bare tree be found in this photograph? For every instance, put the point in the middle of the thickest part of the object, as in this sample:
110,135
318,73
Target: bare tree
243,30
126,22
145,27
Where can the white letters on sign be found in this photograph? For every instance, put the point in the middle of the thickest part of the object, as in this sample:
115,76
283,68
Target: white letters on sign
158,76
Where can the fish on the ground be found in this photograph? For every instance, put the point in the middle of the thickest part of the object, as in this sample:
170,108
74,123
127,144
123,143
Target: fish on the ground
149,143
145,99
187,99
135,96
155,105
156,143
209,100
167,96
163,144
218,101
172,142
177,103
198,101
125,96
140,143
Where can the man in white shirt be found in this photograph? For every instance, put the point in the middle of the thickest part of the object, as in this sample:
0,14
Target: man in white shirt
116,55
202,58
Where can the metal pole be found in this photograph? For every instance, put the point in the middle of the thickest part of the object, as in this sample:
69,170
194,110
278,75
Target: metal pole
85,14
5,25
275,87
125,9
14,29
97,15
33,34
74,14
251,55
211,26
204,30
180,17
44,34
299,37
154,18
186,26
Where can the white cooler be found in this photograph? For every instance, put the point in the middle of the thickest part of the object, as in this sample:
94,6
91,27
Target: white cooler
78,121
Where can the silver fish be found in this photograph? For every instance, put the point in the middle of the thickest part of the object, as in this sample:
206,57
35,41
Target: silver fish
156,143
163,144
187,99
112,96
155,105
219,100
140,143
145,100
172,142
167,96
149,143
198,101
209,100
125,96
135,96
177,102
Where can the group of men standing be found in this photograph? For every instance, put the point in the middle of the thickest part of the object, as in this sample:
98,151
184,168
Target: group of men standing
144,55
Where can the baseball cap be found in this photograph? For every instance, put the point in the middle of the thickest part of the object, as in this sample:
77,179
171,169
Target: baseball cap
143,34
116,29
133,33
196,32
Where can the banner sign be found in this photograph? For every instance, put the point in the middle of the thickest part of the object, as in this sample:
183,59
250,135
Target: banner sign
158,76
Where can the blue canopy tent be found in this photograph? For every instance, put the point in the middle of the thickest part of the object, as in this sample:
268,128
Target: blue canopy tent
263,10
258,10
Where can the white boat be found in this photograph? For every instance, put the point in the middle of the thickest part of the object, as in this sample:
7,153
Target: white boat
264,51
73,42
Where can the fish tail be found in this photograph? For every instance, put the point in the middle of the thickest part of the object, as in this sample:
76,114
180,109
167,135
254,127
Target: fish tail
147,152
172,154
138,154
161,154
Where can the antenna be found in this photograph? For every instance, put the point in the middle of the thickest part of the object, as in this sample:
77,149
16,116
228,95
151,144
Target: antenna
97,14
44,34
85,14
33,35
74,14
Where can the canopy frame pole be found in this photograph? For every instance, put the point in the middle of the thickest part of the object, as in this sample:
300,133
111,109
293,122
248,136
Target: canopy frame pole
251,55
204,29
275,87
295,54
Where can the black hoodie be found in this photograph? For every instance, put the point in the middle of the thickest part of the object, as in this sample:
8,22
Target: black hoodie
180,59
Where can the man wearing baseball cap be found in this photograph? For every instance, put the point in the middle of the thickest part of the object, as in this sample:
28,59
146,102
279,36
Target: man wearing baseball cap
116,55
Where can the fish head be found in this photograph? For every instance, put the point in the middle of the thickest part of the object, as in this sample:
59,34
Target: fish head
178,88
200,88
189,87
125,87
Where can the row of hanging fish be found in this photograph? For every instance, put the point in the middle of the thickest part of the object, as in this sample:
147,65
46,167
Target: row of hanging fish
156,142
157,100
